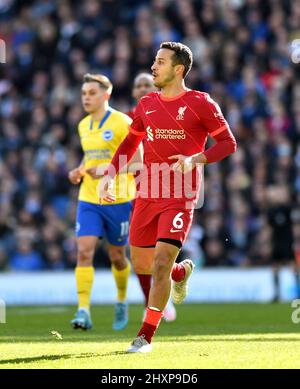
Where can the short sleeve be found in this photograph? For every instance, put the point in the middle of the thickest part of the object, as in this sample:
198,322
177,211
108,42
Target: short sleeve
212,117
137,125
123,129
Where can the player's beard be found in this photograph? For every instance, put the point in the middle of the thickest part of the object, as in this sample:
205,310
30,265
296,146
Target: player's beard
168,78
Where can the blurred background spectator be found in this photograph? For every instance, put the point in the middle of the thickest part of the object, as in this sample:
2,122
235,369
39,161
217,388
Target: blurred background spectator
242,53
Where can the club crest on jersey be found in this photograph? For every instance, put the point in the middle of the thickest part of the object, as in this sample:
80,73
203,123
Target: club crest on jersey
149,134
181,111
107,135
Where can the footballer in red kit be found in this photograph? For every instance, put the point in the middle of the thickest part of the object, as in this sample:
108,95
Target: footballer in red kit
171,126
142,264
174,124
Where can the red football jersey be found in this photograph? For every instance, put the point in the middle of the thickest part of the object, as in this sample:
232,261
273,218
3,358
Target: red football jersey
177,125
171,126
130,113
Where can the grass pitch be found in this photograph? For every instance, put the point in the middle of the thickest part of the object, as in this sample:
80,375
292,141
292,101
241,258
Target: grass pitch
203,336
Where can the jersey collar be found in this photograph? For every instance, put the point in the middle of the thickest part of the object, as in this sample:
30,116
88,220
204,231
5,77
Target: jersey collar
173,98
103,120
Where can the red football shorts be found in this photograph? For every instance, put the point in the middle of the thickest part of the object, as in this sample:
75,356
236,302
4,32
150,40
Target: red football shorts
164,218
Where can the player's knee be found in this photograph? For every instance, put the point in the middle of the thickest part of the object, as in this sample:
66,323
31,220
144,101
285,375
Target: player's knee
85,255
117,255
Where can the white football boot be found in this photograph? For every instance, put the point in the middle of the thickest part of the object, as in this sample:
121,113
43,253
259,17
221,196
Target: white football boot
140,345
180,289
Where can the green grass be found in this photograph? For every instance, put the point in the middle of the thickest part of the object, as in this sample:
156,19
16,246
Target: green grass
203,336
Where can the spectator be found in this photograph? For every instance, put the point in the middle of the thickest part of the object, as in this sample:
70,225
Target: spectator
3,259
26,258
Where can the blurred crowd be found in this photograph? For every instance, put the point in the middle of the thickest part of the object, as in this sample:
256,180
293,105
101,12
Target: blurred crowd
243,57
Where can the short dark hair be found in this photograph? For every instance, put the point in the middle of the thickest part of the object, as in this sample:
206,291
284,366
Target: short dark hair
182,55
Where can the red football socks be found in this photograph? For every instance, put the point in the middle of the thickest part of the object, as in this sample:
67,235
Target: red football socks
178,272
150,324
145,282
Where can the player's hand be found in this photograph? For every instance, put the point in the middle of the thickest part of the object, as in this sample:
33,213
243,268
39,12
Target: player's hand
76,175
105,190
184,163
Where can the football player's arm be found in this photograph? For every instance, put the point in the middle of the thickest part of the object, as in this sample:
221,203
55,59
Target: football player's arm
75,175
97,171
124,154
224,146
136,162
218,128
127,149
135,165
121,158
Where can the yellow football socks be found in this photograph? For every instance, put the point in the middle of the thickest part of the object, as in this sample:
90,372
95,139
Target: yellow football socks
121,279
84,279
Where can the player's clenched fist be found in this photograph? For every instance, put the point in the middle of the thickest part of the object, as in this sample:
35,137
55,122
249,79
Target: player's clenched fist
105,190
75,175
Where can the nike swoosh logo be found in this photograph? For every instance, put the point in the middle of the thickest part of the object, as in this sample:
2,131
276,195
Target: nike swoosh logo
175,230
147,112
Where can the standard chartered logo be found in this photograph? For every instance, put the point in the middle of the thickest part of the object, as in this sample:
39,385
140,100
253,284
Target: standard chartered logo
149,134
164,133
2,312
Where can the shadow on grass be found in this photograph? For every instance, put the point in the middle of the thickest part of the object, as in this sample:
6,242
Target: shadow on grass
36,359
114,353
59,357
